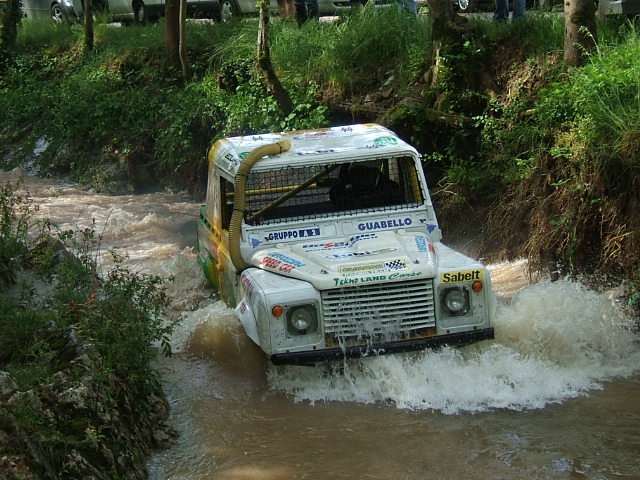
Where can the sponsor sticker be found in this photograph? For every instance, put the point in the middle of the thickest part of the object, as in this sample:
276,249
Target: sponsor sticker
274,263
364,268
287,259
288,234
382,224
255,242
463,276
346,281
382,141
361,269
247,285
422,244
228,161
243,308
360,254
316,247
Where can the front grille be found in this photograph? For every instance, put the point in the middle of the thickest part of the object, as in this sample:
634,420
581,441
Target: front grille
386,309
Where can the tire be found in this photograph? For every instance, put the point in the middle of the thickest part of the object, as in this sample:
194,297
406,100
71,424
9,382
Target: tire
57,15
139,13
463,5
228,11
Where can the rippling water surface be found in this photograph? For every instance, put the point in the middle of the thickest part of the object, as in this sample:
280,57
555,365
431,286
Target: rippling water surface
555,396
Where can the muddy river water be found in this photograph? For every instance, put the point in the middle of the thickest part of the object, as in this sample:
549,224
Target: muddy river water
555,396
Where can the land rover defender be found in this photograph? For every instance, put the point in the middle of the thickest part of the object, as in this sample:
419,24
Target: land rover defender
327,245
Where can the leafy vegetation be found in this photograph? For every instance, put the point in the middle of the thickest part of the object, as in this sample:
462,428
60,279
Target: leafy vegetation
505,127
54,276
57,308
561,146
118,103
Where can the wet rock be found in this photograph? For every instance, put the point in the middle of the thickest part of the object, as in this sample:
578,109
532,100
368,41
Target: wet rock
8,385
82,362
27,399
77,466
75,398
164,437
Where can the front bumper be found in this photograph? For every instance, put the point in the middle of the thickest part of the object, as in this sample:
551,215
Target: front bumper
312,356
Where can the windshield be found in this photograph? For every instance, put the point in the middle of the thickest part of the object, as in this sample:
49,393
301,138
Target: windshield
320,191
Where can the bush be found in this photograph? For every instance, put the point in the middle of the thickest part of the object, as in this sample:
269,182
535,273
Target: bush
13,234
118,313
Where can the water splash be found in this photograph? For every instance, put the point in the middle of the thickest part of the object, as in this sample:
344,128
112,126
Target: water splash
554,341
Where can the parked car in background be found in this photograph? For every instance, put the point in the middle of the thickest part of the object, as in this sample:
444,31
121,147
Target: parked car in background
234,8
605,7
128,11
57,10
140,11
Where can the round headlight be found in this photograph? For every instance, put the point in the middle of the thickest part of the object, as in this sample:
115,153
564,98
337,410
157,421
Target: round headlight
302,320
455,300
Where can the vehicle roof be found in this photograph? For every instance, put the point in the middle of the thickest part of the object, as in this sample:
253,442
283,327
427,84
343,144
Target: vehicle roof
311,146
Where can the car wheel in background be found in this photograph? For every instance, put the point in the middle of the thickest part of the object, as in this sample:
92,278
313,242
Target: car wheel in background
228,11
466,6
139,13
57,15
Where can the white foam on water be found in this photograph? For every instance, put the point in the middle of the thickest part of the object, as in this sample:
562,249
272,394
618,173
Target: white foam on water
554,341
122,223
192,300
215,317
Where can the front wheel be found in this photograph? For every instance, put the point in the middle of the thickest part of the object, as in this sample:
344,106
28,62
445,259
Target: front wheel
466,6
57,15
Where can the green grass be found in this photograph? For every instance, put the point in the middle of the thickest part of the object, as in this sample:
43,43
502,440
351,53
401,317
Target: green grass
120,101
600,104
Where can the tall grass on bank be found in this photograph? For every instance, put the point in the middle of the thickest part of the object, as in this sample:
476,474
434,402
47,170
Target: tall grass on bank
600,103
33,35
586,118
534,34
358,51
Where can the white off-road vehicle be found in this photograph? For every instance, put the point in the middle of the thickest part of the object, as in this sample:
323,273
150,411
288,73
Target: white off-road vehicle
327,245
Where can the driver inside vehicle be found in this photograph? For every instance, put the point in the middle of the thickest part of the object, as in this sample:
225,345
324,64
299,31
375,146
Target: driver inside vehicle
362,186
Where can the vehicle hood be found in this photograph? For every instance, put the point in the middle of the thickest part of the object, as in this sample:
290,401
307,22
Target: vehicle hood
357,259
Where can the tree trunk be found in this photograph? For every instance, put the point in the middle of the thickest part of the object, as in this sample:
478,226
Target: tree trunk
186,68
11,16
88,25
580,31
172,31
447,28
264,61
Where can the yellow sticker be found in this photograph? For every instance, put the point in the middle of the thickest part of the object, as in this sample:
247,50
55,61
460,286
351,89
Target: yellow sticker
465,276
